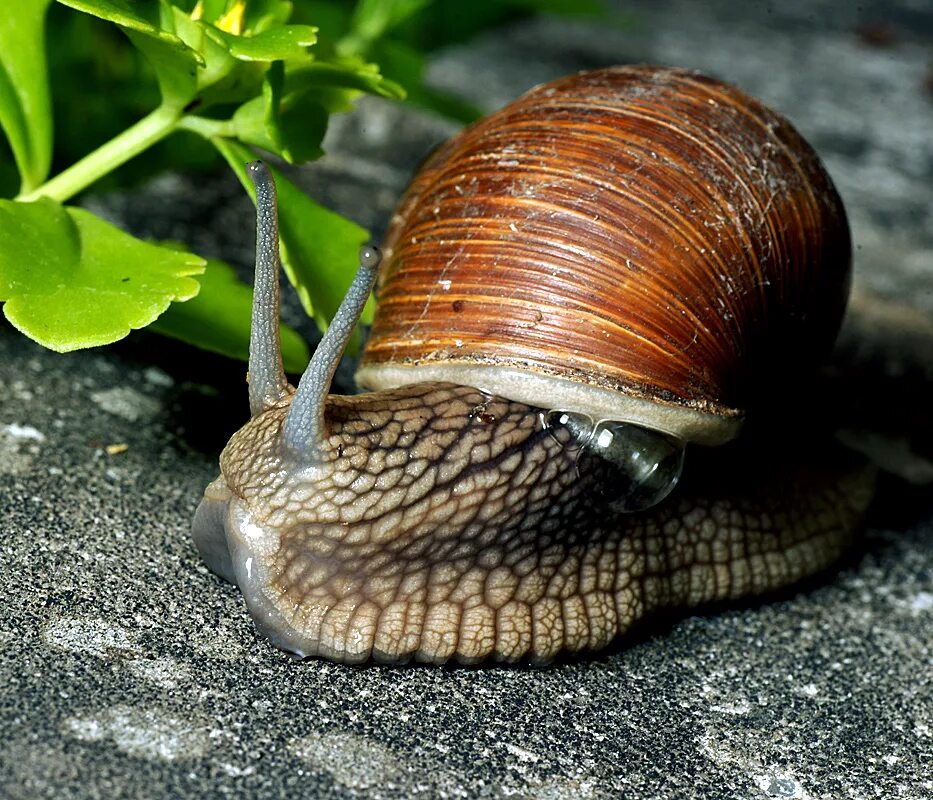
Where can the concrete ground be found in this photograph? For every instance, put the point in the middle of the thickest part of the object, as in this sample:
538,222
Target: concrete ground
128,670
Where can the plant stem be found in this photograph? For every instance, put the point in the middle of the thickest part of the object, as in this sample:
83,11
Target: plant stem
106,158
208,128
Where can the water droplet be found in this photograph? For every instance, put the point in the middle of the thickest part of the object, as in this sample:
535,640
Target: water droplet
641,467
569,429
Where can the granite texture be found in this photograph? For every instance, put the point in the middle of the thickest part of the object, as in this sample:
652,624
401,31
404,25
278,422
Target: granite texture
128,670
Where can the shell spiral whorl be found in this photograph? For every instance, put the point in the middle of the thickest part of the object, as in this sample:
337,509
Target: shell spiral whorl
649,231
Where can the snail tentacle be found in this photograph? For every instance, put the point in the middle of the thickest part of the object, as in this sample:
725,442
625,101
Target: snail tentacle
267,380
304,434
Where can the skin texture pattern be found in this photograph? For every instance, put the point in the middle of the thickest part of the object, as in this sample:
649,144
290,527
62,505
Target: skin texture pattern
450,525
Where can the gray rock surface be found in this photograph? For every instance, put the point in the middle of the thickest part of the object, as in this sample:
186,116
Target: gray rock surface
128,670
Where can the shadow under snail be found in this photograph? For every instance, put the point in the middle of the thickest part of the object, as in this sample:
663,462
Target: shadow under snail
616,264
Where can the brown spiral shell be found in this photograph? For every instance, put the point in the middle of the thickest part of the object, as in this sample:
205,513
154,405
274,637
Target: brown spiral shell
649,235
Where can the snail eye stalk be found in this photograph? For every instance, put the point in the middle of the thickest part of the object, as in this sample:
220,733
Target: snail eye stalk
304,433
267,380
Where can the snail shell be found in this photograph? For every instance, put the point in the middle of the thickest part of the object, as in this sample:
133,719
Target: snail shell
636,243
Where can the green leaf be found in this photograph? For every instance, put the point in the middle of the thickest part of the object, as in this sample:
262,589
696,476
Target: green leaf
212,10
294,133
223,79
215,62
372,19
264,14
218,319
71,280
301,127
290,120
175,66
279,43
25,106
348,72
256,121
190,55
151,26
138,15
320,249
255,15
406,65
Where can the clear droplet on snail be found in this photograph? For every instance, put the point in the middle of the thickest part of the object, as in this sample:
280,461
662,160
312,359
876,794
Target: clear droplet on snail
637,467
571,430
646,464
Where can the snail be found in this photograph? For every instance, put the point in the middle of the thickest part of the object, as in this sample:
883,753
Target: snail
618,265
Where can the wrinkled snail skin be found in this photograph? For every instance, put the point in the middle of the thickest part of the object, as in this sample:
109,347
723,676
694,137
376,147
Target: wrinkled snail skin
449,525
433,521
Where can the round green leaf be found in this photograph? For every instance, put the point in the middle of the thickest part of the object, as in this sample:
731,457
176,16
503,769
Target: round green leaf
70,280
284,41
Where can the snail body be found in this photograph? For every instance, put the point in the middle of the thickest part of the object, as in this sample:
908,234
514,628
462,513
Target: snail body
610,267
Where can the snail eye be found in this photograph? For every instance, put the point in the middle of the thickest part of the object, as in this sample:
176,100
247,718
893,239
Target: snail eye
635,468
370,256
645,465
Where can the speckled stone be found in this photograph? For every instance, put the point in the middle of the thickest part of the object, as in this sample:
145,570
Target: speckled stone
127,669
